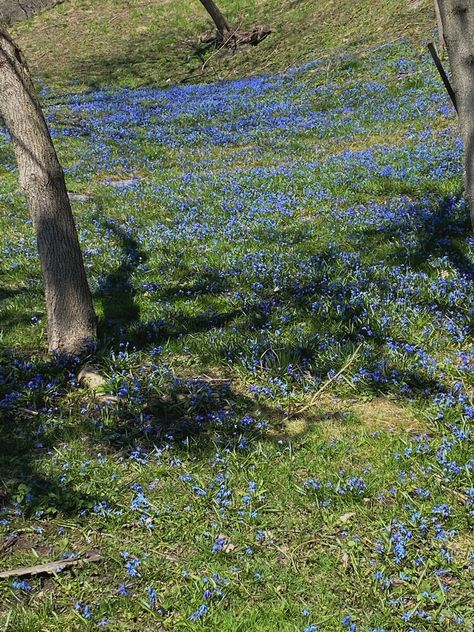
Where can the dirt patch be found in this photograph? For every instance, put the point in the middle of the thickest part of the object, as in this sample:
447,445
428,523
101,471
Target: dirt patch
14,543
383,413
380,413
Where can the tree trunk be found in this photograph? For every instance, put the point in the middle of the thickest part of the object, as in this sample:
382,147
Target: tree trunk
70,313
441,42
219,20
457,17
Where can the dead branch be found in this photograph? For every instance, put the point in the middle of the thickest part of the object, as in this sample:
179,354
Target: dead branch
52,567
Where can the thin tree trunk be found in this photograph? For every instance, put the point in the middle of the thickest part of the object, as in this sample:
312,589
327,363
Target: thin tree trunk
219,20
441,42
70,313
457,17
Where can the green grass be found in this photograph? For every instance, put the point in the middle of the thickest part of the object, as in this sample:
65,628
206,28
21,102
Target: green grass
308,558
283,230
82,43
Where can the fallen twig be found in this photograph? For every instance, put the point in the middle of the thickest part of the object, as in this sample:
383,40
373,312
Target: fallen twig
28,411
326,384
233,39
219,45
52,567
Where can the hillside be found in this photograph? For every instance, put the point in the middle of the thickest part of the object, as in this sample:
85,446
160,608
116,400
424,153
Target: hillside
282,268
85,43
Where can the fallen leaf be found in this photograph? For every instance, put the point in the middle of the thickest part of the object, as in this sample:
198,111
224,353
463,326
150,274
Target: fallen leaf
229,547
345,559
346,517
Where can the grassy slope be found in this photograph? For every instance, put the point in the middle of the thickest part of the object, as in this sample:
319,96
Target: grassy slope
263,246
274,243
86,43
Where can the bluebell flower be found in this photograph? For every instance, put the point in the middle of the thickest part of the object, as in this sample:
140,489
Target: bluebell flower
84,609
199,613
131,567
219,544
151,597
21,584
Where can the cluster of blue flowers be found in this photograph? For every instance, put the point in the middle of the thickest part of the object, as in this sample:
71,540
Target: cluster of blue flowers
275,227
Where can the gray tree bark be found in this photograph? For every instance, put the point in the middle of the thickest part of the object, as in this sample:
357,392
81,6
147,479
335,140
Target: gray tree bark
457,17
16,10
70,313
441,43
219,20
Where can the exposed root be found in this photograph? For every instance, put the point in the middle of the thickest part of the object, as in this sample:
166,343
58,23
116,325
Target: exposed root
234,38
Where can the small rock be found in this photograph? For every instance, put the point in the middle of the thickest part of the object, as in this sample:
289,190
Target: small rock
122,184
80,197
89,377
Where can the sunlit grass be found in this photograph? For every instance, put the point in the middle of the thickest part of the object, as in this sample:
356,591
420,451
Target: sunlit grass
242,263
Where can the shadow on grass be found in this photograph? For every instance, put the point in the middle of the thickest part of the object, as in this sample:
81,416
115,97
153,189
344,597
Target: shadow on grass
42,409
116,293
6,293
47,415
437,236
134,64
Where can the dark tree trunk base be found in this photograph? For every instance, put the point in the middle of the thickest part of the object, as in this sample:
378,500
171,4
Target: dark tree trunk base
233,38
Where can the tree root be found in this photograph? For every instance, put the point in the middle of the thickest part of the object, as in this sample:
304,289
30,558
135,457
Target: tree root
234,38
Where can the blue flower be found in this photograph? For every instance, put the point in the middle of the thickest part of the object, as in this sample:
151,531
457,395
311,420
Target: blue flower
123,591
131,567
21,584
199,613
219,544
85,610
151,597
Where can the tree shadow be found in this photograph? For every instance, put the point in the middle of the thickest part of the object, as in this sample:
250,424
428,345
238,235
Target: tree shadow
6,292
132,59
35,422
116,292
438,235
198,408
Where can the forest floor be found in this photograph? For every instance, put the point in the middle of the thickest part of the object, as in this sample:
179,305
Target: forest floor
282,266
